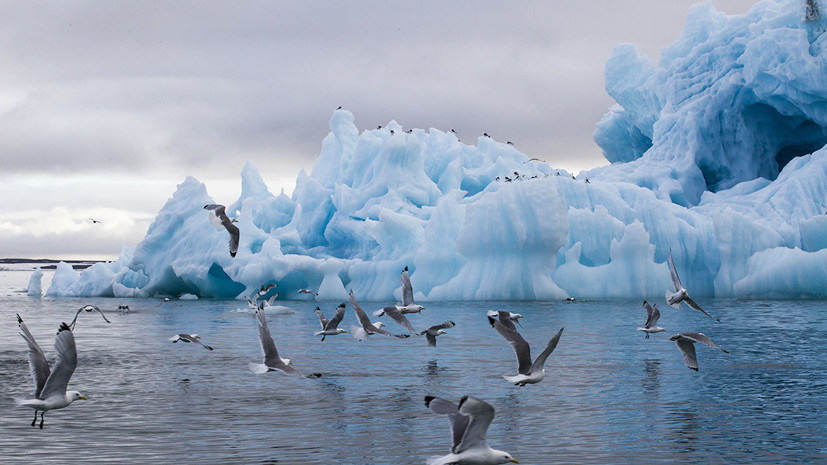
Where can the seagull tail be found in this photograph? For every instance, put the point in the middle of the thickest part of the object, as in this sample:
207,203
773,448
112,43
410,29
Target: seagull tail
258,368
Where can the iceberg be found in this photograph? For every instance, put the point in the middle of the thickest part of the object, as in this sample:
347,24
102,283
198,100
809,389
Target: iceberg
716,157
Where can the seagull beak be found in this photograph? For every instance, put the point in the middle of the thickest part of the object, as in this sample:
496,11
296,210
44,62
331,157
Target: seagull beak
82,398
514,461
344,331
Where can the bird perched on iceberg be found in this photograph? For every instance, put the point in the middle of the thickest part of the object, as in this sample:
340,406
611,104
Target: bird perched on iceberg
652,316
469,425
680,294
686,344
527,372
50,385
219,218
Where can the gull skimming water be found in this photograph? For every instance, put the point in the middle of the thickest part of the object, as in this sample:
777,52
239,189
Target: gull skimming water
331,327
652,316
680,294
527,372
686,344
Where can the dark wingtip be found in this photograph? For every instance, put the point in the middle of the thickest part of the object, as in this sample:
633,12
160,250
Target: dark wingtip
232,254
725,351
19,320
64,327
492,321
693,368
406,268
428,400
462,401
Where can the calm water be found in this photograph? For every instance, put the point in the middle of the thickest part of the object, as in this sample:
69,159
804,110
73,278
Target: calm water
609,396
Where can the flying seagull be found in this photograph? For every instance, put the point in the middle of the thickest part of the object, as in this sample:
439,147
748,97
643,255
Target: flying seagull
436,330
168,300
88,308
189,338
515,317
219,213
94,221
331,327
307,291
408,304
272,360
686,344
652,316
367,328
469,425
527,372
50,385
680,295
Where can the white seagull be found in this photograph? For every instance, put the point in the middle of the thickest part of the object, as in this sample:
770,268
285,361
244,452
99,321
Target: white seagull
272,360
194,338
50,385
527,372
469,425
408,305
435,330
368,328
515,317
307,291
168,300
331,327
88,308
686,344
652,316
680,295
219,214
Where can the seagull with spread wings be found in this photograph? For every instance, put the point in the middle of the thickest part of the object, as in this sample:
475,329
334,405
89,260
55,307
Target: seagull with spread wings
527,372
88,308
331,327
368,328
219,216
50,385
652,317
435,330
680,295
469,425
686,344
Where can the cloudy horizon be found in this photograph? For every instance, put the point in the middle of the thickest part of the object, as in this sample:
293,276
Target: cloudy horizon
106,106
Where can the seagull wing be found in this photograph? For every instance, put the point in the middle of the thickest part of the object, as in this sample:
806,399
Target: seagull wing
676,281
67,361
481,413
459,422
407,289
322,319
220,212
651,315
697,307
687,348
703,339
520,346
540,361
268,346
337,318
363,318
398,317
38,365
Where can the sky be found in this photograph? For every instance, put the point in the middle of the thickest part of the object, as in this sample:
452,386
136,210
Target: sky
106,106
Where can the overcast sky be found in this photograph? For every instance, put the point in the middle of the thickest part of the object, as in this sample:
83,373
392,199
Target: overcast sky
105,106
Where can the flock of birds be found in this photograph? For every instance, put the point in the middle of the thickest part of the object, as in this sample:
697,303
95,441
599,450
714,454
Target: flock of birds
469,419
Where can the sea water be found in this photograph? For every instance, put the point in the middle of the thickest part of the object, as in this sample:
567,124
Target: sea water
609,396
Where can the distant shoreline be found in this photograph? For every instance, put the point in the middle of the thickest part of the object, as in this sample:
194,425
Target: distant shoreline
49,263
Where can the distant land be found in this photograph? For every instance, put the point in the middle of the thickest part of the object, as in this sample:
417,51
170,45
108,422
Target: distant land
48,263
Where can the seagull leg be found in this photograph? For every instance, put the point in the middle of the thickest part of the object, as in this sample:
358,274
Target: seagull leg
35,419
41,419
647,335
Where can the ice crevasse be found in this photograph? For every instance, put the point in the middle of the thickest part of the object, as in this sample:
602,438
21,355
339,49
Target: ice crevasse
716,155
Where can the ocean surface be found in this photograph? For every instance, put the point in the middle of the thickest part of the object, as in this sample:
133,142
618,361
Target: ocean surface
609,396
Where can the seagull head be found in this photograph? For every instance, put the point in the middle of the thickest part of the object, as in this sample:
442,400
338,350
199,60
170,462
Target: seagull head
504,457
72,396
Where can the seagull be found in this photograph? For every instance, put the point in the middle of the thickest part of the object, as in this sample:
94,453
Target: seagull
307,291
469,425
219,213
680,294
367,328
515,317
536,159
652,316
436,330
408,305
189,338
50,385
94,221
168,300
123,308
527,372
686,344
88,308
331,327
272,360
